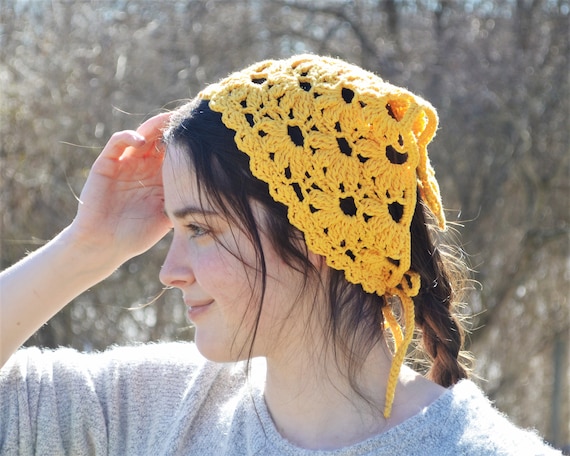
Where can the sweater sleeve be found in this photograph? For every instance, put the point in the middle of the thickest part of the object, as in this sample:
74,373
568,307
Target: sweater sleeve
115,402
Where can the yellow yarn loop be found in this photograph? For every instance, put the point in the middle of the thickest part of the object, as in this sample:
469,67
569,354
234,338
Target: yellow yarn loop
346,152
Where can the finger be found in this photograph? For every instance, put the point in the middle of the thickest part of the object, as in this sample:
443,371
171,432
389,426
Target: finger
119,141
152,128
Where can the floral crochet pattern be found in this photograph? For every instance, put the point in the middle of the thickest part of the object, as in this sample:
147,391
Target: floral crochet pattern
346,152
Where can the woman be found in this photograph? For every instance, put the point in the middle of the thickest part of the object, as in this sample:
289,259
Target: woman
299,193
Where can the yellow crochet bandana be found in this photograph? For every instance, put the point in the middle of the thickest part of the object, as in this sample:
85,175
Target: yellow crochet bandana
346,152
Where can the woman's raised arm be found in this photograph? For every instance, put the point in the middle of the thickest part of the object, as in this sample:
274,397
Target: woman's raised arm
120,215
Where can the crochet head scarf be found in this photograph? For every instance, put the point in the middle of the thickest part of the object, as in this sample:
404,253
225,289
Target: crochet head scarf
346,152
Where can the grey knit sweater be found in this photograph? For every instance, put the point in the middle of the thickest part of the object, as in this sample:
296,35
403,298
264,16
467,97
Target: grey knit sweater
165,399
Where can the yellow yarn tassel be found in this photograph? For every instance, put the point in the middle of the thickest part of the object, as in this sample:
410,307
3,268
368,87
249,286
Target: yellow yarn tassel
401,346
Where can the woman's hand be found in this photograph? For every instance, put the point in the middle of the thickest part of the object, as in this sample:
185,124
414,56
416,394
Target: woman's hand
121,213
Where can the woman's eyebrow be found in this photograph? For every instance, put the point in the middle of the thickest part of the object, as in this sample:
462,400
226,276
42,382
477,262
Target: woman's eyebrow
191,211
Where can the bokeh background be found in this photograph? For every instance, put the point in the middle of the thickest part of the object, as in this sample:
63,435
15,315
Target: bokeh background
73,72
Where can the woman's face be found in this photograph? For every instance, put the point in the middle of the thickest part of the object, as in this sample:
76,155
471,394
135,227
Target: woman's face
213,262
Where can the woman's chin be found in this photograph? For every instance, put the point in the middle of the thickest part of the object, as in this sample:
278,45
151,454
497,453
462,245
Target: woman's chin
213,348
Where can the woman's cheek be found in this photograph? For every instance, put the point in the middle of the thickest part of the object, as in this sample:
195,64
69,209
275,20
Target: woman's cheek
215,271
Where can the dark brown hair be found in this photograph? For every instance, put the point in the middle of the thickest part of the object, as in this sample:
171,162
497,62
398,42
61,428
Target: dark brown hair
355,318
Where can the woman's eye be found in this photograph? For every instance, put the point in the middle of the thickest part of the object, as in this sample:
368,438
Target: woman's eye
196,230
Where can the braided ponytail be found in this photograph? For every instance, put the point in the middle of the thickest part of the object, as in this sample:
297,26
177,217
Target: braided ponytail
442,332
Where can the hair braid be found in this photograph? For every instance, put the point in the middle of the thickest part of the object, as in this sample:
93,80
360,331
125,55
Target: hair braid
442,332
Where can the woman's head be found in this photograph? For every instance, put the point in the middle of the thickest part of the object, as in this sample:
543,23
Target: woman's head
234,243
335,161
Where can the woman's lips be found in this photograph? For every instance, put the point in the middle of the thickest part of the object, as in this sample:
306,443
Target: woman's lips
197,308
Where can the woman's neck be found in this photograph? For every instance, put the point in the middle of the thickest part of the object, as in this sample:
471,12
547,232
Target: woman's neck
314,406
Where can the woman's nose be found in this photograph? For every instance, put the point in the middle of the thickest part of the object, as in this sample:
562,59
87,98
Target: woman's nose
176,270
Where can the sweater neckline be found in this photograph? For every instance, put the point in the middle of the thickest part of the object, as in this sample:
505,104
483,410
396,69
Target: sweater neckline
404,435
